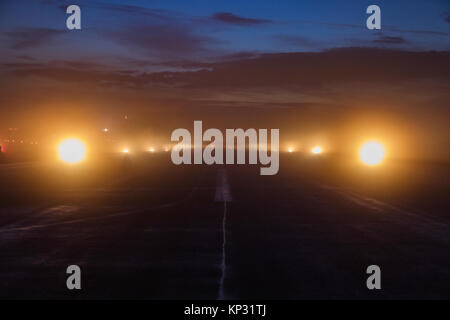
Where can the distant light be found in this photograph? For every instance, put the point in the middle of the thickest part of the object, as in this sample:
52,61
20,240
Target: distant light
125,150
372,153
166,149
290,150
106,130
316,150
72,151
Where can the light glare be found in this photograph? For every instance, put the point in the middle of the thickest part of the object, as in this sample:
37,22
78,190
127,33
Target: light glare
71,151
372,153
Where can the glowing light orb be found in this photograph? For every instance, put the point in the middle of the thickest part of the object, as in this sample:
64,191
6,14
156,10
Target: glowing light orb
316,150
372,153
72,151
151,150
290,150
125,150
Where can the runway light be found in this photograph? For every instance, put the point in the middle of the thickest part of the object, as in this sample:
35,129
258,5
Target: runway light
290,150
72,151
372,153
316,150
151,149
125,150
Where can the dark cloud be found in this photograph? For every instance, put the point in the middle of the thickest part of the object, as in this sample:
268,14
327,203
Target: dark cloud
297,41
446,17
385,27
24,38
425,32
333,24
119,8
228,17
389,40
164,34
69,72
282,70
178,64
25,57
239,56
314,69
168,41
128,9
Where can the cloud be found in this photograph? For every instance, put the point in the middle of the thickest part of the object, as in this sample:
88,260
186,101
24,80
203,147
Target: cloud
315,69
389,40
385,27
242,55
446,16
25,57
168,40
297,41
281,70
119,8
425,32
182,65
24,38
230,18
129,9
69,72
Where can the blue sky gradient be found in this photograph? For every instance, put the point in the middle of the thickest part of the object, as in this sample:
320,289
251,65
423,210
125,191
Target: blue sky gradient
202,30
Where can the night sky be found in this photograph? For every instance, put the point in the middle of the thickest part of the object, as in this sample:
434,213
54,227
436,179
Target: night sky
309,68
206,30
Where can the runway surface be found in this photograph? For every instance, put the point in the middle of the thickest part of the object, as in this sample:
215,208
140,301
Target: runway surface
144,228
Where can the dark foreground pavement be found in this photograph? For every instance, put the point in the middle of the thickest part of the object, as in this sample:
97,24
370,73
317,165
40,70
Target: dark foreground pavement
144,228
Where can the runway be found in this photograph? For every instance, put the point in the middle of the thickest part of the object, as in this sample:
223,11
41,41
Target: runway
146,229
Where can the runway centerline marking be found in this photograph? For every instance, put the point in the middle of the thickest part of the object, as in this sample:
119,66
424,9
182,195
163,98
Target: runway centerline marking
223,194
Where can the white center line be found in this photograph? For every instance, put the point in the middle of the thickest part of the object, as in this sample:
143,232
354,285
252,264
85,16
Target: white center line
223,194
223,265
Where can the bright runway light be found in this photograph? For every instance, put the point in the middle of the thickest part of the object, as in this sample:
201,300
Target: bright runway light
316,150
372,153
125,150
72,151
